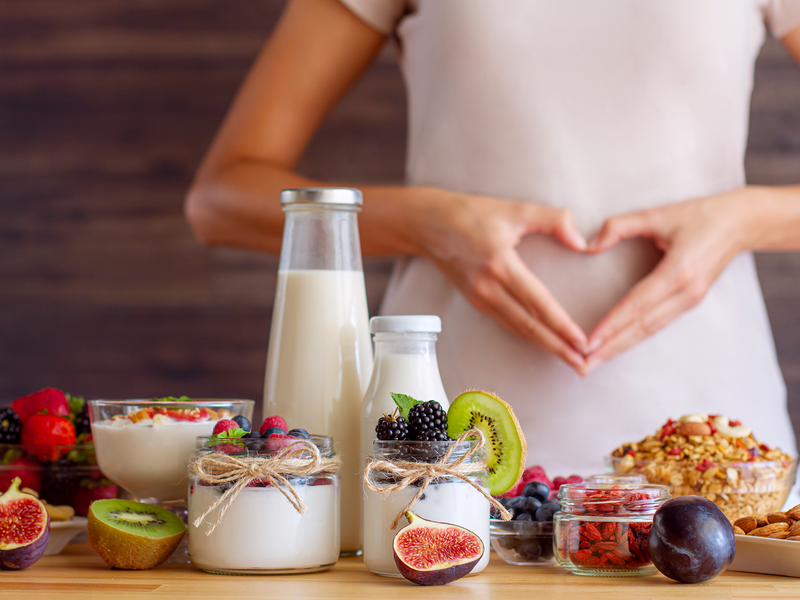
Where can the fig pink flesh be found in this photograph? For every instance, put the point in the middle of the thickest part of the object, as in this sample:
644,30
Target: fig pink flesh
438,547
18,518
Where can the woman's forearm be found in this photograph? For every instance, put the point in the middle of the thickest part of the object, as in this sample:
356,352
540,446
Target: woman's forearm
773,218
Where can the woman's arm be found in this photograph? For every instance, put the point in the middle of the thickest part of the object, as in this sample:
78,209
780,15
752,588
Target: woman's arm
319,48
699,238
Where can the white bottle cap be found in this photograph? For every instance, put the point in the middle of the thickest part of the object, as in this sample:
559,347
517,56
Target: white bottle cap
406,324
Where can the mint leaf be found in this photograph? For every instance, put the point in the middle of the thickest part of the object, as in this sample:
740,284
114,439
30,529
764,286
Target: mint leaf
75,403
173,399
234,434
404,403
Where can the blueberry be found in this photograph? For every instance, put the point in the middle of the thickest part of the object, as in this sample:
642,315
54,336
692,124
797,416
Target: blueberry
523,516
529,550
273,431
300,433
514,502
242,422
530,505
252,435
546,511
536,489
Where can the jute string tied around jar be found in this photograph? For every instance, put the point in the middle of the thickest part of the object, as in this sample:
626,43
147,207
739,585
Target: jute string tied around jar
409,472
300,458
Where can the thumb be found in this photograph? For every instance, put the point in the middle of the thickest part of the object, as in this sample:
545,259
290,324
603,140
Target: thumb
619,228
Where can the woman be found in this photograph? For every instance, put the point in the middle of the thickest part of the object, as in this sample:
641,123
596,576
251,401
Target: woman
572,167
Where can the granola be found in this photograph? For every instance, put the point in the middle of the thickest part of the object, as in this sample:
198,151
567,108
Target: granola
713,457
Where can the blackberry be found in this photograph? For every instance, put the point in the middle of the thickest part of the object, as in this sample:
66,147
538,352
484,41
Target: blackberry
425,416
82,422
10,426
432,435
392,427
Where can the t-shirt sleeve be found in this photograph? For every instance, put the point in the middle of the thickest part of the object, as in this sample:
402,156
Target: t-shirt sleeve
782,16
381,15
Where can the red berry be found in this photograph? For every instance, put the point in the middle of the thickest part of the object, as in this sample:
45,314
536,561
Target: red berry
277,442
42,433
536,473
274,421
228,448
574,479
49,400
224,425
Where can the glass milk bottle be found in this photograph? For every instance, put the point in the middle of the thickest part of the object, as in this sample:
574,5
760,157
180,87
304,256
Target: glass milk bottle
320,357
405,363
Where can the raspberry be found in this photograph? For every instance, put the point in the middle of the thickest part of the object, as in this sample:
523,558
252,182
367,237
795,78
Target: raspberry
224,425
391,427
273,421
432,435
10,426
424,416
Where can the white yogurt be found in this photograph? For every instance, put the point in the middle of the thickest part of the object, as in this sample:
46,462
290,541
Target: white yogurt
262,532
454,502
150,461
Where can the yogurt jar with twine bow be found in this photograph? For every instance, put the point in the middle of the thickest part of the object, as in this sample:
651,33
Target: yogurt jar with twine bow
264,506
445,482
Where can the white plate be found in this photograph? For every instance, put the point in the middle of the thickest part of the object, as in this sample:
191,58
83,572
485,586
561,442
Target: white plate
62,533
766,555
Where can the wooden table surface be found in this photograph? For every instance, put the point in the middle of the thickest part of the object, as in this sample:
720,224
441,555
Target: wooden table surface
79,573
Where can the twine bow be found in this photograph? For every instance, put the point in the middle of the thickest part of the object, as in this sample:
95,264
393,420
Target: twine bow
218,468
409,472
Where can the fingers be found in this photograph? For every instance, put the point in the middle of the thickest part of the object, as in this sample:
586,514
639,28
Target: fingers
532,294
623,227
556,222
491,297
655,301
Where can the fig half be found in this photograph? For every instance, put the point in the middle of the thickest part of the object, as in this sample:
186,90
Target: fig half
431,553
24,529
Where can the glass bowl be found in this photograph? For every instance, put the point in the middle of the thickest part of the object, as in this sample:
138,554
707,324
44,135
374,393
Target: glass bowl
64,475
738,488
145,445
523,542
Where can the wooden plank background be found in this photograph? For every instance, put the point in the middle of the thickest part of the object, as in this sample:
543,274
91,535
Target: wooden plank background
106,108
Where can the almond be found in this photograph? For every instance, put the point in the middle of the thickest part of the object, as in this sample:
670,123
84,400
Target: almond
738,530
687,429
768,530
781,535
777,517
747,524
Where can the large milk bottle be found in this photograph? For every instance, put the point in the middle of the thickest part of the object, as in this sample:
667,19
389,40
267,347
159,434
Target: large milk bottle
405,363
320,357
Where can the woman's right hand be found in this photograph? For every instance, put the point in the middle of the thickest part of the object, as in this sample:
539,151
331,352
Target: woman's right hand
473,240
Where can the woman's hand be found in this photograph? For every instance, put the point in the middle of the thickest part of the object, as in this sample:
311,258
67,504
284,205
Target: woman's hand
698,237
473,241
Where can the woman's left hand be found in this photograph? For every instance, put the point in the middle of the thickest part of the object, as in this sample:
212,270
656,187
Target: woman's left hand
698,237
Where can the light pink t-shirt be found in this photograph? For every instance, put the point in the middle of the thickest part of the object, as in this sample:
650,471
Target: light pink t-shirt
602,108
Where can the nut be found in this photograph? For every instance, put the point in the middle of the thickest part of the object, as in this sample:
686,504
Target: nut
781,535
768,530
747,524
691,428
738,530
778,517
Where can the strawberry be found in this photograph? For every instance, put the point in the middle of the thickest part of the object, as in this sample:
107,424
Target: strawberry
184,414
15,464
49,400
90,491
274,421
42,433
224,425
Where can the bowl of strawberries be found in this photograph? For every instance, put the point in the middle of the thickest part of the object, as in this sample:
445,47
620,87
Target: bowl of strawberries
46,441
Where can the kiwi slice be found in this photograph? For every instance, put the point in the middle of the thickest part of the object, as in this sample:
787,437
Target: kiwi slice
133,535
505,443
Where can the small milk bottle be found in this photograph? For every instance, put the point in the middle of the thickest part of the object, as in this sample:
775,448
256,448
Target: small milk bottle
320,357
405,363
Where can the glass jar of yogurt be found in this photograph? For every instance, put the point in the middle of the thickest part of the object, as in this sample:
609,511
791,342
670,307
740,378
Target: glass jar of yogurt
261,532
602,528
446,499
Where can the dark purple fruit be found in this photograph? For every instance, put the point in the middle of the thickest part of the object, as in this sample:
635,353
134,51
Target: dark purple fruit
431,553
536,489
24,529
691,539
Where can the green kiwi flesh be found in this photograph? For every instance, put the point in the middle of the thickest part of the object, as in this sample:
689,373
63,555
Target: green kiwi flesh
505,442
133,535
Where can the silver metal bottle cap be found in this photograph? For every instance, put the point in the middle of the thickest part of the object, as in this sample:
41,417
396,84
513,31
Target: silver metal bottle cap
346,196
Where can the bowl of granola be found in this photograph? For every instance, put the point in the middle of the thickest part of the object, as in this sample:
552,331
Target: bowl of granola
713,457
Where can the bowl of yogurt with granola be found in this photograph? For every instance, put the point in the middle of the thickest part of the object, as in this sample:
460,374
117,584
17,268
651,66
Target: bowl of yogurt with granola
144,445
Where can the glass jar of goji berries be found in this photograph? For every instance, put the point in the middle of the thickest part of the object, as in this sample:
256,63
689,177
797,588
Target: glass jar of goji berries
602,528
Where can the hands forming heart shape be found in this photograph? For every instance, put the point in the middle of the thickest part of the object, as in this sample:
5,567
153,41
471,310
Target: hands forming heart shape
476,248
